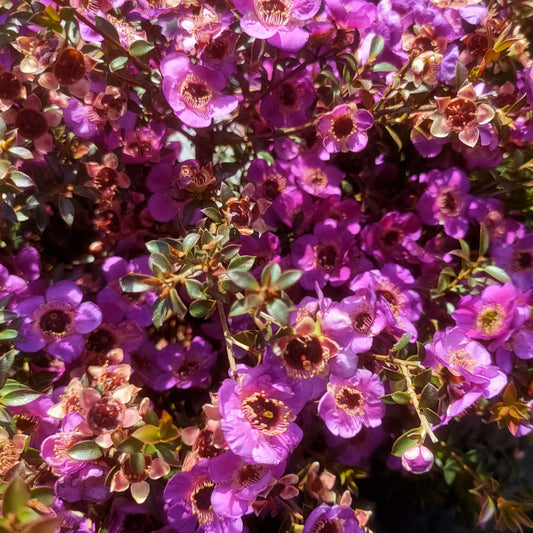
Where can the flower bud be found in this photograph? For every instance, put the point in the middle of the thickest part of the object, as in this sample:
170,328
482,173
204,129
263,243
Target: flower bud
417,459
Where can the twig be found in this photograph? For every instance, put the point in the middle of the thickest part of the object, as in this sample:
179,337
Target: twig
228,338
426,426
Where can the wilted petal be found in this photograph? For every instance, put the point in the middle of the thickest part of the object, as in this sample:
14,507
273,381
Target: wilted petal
439,128
485,113
140,491
469,136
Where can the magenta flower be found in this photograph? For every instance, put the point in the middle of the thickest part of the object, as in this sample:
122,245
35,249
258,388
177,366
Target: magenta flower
344,129
239,483
336,519
57,321
258,415
182,368
446,201
493,315
194,92
517,260
278,21
350,404
418,460
188,498
469,363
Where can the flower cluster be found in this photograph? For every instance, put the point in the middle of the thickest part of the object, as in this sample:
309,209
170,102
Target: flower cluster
262,258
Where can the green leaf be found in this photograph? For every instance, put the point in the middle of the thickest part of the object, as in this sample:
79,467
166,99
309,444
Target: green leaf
278,309
401,398
195,289
238,308
16,497
45,525
403,342
429,397
497,273
393,375
6,362
147,433
22,153
130,445
140,48
376,47
118,63
138,463
160,312
8,335
384,67
404,442
189,241
202,308
287,279
20,397
139,283
176,303
242,262
212,213
270,274
159,265
422,379
461,74
86,450
432,416
158,247
66,210
244,280
105,26
450,470
21,180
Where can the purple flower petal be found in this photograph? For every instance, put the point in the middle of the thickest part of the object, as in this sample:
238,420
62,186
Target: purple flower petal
65,291
88,316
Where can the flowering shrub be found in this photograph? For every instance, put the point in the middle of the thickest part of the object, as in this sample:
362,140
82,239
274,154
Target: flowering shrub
266,265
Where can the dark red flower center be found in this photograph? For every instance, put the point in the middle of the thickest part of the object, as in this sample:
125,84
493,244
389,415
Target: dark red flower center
100,341
327,257
303,356
201,501
106,415
69,67
326,526
522,261
8,455
273,12
249,474
106,179
349,399
343,127
55,322
10,86
31,123
136,469
362,321
204,446
449,203
26,423
266,414
196,93
460,114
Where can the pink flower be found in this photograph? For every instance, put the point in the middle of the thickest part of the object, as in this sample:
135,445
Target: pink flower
344,129
461,115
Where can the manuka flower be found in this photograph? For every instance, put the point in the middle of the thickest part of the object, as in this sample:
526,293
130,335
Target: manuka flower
517,260
188,498
446,201
493,315
344,129
352,403
57,321
258,415
278,21
239,483
461,115
471,373
336,519
194,92
182,368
